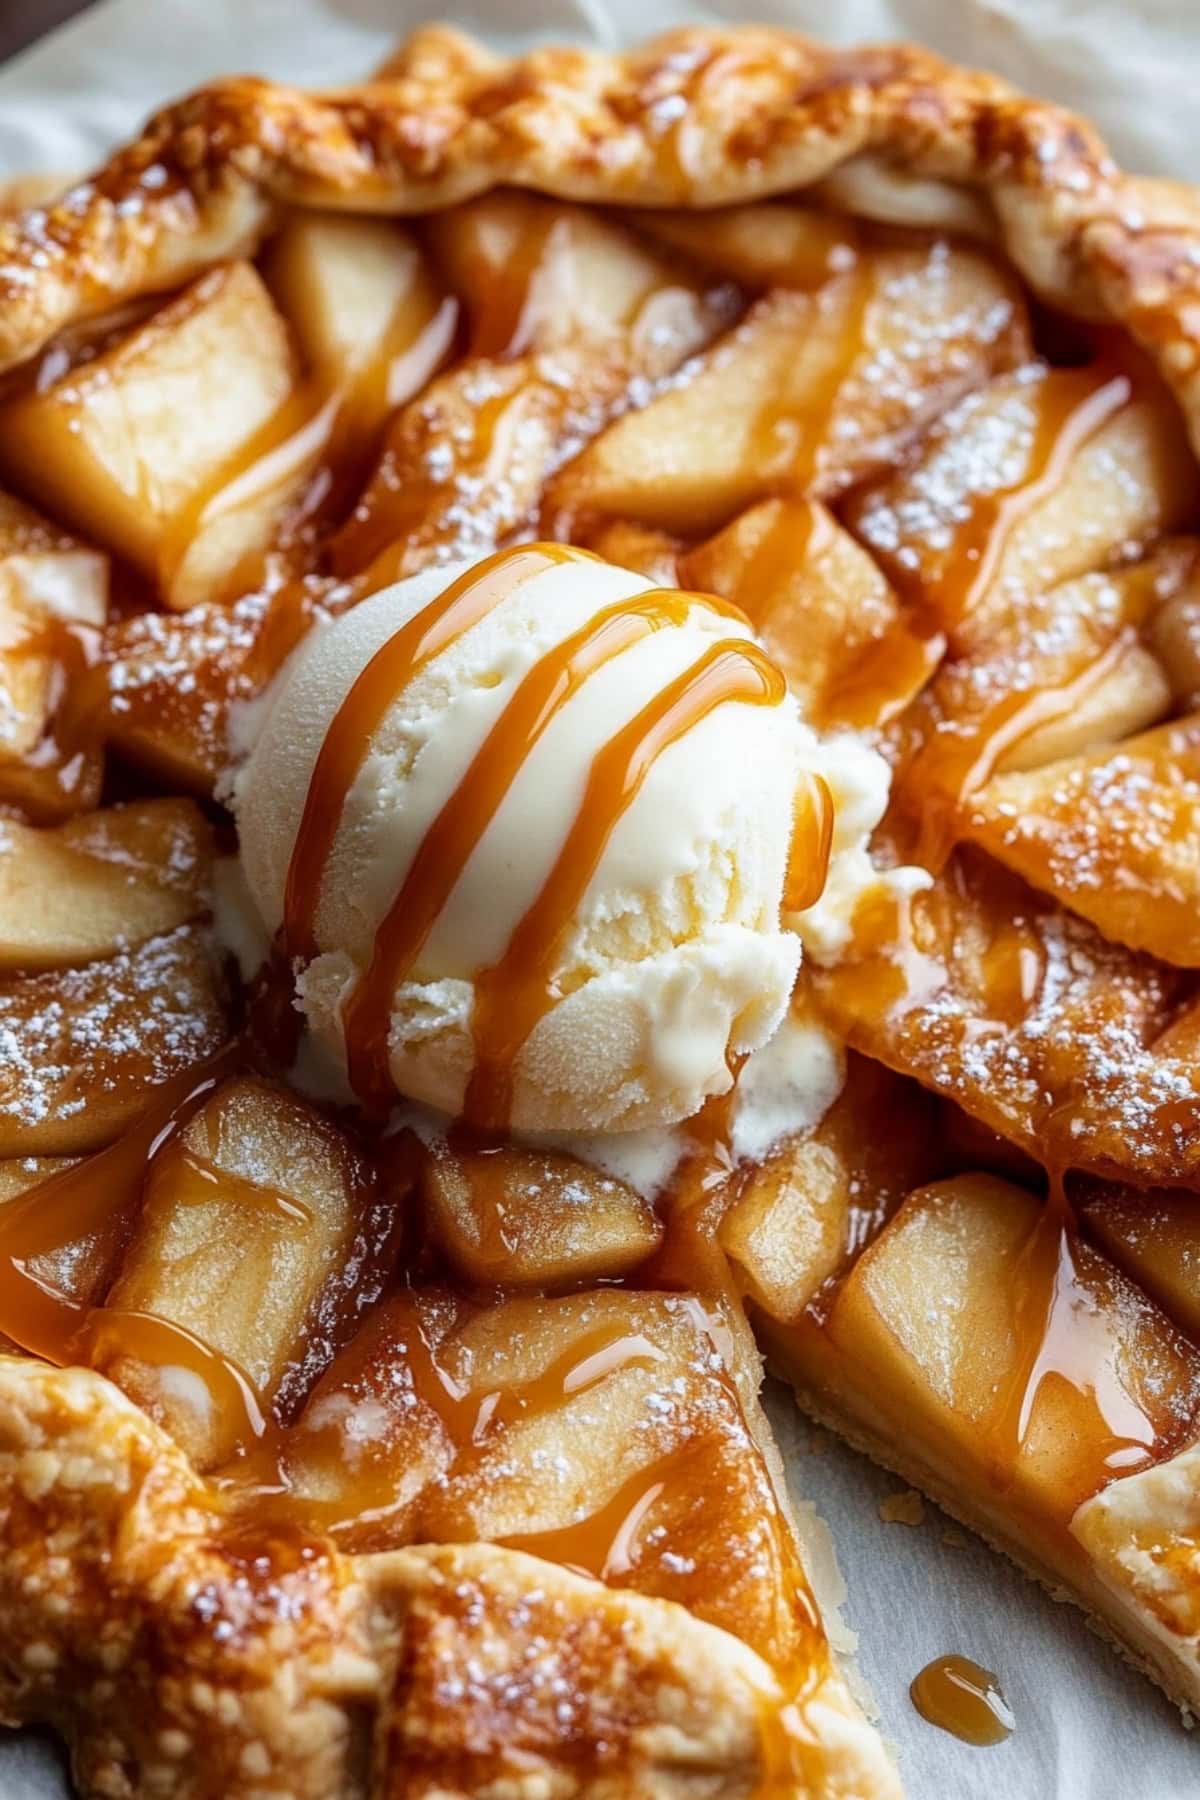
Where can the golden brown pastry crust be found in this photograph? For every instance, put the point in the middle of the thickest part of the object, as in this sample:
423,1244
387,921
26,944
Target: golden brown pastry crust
182,1653
694,118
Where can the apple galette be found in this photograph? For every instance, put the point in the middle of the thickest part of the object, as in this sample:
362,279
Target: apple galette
599,775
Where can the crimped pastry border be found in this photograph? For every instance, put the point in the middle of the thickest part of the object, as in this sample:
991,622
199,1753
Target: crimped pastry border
182,1650
695,118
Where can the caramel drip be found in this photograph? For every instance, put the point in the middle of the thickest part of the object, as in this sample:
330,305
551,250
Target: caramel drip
1072,406
348,740
519,295
515,993
110,1335
711,1129
1062,1335
95,1199
294,439
880,679
951,766
415,345
810,433
470,1416
801,531
197,1182
450,841
592,1359
812,842
314,429
960,1697
607,1543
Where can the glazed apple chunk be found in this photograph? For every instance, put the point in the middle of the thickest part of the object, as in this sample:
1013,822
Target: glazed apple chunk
50,583
1038,477
1043,1370
797,1219
654,554
101,883
1112,833
84,1047
82,1271
1155,1238
371,320
766,245
134,444
248,1214
1067,670
533,1218
810,393
171,680
1023,1015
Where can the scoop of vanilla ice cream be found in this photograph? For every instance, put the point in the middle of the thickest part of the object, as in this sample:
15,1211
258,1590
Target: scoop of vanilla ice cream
676,954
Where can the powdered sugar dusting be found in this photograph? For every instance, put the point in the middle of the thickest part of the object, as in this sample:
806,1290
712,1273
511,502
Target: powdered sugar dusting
106,1031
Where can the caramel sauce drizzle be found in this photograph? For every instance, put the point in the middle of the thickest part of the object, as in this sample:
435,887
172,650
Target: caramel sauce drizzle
519,293
449,842
470,1418
314,429
292,440
813,820
1072,406
96,1200
952,766
884,676
819,416
606,1544
809,433
409,650
1062,1335
961,1697
933,784
112,1334
515,993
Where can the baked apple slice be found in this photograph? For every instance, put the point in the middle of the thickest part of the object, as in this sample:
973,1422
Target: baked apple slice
1039,476
821,606
1028,1019
533,1218
249,1212
759,246
1111,833
141,445
102,883
810,393
85,1046
372,323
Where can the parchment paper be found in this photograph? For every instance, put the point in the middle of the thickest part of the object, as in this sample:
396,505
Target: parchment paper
1087,1729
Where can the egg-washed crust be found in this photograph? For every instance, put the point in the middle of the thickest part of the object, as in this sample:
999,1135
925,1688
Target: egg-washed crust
694,118
182,1654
